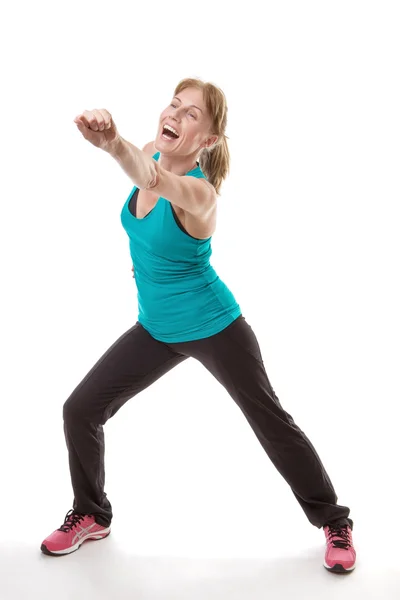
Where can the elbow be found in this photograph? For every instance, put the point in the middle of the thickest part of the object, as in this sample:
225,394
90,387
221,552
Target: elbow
153,182
154,177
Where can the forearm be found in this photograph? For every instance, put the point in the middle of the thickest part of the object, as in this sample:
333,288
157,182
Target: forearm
140,167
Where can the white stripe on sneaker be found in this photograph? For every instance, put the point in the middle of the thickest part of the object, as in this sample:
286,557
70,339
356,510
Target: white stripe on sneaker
83,531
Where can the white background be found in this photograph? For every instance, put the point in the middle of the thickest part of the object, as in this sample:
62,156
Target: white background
307,240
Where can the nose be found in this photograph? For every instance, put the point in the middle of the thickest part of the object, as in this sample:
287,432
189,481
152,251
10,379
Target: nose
176,115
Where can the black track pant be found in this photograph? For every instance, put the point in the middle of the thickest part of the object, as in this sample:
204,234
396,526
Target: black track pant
233,356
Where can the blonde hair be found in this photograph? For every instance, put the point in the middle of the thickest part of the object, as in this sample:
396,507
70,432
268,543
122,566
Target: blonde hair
214,162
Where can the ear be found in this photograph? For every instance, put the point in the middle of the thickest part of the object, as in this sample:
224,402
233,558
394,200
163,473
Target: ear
211,141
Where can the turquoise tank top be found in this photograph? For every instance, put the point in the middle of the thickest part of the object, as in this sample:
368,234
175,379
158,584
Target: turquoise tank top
180,296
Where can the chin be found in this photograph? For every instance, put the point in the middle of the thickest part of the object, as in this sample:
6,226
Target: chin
163,146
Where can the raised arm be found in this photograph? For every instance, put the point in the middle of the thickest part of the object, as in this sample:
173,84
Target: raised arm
195,196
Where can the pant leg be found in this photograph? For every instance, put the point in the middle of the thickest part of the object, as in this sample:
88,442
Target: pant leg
129,366
233,356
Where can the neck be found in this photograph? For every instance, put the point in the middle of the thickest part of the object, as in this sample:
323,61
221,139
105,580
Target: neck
179,165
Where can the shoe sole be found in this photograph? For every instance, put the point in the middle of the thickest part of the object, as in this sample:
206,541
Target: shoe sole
339,568
76,547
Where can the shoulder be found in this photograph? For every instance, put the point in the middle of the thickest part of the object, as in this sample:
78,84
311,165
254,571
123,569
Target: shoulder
209,185
209,191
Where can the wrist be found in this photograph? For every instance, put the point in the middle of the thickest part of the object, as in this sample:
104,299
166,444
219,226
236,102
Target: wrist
116,147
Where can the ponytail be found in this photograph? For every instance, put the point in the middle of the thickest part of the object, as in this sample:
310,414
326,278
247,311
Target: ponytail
215,163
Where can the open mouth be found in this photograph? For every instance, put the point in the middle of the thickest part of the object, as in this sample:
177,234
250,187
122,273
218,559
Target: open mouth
169,133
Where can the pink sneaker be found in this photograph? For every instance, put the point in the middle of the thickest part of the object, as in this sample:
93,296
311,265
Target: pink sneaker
77,528
340,555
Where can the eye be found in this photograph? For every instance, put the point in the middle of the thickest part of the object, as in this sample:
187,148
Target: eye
192,115
173,105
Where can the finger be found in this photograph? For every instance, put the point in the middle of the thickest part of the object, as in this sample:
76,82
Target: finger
90,120
82,128
99,118
82,119
107,118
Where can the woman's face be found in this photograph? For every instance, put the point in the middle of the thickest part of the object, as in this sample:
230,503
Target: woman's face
187,115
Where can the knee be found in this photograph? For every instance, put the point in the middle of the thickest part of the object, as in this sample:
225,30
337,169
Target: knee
69,410
81,408
74,410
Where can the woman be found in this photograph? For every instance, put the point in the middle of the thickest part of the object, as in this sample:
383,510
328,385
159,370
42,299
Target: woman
185,310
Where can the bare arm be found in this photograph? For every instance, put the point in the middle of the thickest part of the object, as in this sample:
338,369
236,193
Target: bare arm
193,195
138,165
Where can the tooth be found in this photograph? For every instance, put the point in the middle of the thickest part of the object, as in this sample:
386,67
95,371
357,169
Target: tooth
171,129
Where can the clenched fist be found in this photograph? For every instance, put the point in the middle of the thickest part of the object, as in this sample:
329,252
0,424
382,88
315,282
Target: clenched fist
98,127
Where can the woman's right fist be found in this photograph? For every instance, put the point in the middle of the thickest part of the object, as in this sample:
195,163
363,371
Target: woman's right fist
98,127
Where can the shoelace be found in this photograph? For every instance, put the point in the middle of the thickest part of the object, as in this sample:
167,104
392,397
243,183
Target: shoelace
342,532
72,518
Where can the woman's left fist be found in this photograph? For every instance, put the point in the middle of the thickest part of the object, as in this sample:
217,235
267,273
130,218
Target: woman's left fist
97,126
